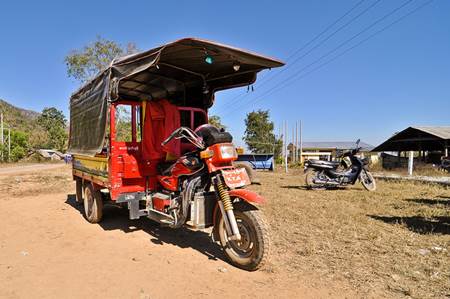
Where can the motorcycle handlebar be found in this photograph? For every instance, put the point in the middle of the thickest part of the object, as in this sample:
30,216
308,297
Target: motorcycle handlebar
186,133
171,136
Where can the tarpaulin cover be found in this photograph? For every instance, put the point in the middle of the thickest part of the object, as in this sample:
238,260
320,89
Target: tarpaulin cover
187,72
161,119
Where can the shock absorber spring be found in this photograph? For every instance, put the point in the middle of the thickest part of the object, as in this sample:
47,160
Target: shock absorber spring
224,196
226,207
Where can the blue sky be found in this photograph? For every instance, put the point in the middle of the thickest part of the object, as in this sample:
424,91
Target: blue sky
398,78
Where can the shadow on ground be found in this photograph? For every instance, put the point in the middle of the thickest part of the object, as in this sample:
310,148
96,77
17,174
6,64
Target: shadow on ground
430,201
418,224
300,187
295,187
117,218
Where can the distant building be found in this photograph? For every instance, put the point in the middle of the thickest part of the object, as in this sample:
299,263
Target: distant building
327,150
428,144
50,154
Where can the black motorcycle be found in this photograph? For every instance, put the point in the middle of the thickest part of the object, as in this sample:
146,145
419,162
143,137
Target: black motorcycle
331,174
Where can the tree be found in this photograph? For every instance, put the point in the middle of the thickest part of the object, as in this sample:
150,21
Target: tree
84,64
53,122
216,121
19,146
259,135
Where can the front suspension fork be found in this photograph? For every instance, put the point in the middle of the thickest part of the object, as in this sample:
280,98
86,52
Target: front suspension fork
226,208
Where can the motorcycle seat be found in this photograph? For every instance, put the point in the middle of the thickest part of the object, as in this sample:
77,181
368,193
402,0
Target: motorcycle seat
324,164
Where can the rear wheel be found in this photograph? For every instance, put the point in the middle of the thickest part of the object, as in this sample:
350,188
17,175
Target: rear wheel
79,191
93,204
251,252
310,175
367,180
250,171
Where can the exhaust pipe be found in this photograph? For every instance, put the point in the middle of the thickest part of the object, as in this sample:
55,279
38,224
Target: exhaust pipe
325,182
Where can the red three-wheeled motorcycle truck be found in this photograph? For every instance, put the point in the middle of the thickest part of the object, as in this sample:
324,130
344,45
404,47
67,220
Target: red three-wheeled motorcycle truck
140,138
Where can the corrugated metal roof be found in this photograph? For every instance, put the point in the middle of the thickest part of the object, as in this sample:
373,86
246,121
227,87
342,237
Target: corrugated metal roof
417,138
441,132
340,145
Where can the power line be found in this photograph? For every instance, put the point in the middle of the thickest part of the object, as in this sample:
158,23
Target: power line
327,38
293,77
267,79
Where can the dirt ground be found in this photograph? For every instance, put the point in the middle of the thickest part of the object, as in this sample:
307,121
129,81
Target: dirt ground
394,242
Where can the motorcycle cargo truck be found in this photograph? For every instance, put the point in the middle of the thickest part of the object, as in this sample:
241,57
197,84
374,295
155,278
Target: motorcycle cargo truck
140,139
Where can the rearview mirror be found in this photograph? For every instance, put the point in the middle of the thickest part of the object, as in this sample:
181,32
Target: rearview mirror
357,142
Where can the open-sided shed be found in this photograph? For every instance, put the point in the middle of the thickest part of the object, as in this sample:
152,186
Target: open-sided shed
418,139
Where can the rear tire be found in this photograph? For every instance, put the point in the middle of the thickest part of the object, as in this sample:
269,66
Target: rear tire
250,171
79,191
310,175
93,204
252,251
367,180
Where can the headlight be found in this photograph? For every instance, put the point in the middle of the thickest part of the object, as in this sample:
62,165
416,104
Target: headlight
228,152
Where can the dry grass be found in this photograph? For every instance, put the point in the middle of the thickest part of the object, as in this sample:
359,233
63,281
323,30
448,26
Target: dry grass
420,169
392,242
34,183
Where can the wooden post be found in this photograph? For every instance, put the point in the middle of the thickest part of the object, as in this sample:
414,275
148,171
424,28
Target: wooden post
410,162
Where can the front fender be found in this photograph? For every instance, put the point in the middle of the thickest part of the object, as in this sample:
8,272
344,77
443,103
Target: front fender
244,194
247,195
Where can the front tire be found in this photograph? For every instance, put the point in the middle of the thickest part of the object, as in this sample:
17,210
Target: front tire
367,180
251,252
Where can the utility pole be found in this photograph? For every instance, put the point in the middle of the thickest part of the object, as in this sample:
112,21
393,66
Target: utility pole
301,142
285,147
280,135
296,143
1,133
293,145
9,144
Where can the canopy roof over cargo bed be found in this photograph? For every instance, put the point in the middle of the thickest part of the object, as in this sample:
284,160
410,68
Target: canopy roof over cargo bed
187,72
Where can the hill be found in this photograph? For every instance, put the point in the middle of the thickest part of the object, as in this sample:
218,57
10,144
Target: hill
18,118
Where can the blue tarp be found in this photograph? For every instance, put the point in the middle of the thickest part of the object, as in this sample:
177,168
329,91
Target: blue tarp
258,161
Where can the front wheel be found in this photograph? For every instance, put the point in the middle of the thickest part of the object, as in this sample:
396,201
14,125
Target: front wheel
367,180
251,252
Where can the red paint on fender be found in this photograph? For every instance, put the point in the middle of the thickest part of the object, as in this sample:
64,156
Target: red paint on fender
247,195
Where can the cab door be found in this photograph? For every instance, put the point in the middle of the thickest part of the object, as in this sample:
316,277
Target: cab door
126,172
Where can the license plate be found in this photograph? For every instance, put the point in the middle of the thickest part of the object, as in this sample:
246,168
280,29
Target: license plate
235,178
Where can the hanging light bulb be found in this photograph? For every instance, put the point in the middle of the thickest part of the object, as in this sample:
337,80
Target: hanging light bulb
236,66
208,59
